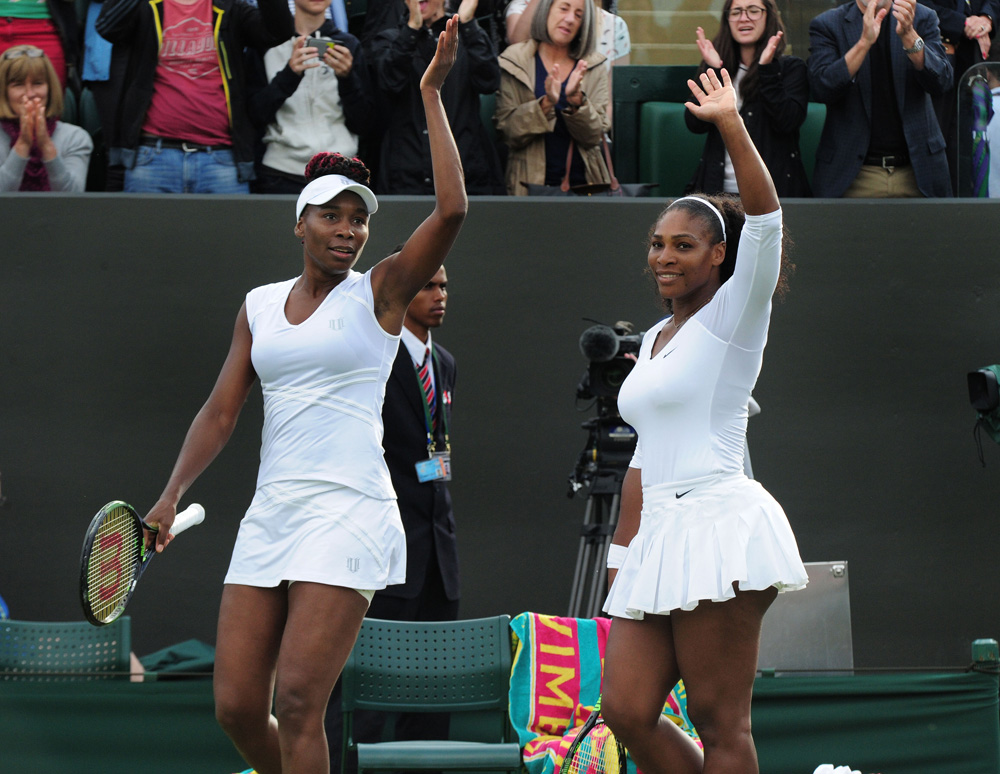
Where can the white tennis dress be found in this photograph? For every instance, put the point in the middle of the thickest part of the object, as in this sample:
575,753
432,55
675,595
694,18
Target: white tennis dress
704,524
324,509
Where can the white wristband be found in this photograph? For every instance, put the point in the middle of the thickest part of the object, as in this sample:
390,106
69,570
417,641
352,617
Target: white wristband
616,555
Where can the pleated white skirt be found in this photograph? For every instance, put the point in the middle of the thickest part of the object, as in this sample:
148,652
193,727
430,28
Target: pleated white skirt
696,539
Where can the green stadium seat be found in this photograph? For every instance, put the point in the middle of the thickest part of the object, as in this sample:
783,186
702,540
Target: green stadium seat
461,667
809,135
62,651
668,150
487,108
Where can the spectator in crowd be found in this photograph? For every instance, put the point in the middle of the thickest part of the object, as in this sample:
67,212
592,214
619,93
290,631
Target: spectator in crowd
877,74
182,118
966,32
772,95
552,107
400,57
306,100
50,25
613,39
38,152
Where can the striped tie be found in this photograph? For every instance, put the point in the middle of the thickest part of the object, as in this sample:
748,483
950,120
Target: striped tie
425,381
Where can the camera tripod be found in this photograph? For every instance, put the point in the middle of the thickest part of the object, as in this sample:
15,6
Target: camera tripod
590,578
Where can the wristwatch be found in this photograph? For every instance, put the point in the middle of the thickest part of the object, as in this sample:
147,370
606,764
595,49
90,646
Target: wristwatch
916,48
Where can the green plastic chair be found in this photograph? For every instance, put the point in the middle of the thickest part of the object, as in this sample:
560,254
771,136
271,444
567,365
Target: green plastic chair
461,667
62,651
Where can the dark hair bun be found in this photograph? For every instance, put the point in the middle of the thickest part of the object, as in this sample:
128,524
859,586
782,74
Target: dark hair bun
335,164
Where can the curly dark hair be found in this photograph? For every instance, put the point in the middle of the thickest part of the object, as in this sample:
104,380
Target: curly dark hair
336,164
732,212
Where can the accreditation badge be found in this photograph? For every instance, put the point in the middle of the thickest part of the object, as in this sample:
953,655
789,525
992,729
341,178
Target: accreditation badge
436,468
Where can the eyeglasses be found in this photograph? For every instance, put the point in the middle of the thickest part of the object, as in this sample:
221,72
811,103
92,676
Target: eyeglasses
753,12
11,53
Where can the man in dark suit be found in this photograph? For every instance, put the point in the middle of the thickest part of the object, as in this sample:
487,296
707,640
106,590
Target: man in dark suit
431,590
877,70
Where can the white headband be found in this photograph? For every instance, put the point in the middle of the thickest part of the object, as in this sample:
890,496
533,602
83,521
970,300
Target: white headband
324,188
712,207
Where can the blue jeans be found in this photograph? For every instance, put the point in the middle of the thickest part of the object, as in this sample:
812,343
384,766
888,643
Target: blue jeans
172,170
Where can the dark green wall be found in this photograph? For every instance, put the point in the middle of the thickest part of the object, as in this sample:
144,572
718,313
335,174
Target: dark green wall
116,313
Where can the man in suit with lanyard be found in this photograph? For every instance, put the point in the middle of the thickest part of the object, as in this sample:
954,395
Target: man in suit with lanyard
417,419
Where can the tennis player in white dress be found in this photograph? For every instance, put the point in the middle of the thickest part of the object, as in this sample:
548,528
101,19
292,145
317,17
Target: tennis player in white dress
323,531
700,551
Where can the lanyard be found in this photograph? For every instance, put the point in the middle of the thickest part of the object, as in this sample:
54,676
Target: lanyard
428,425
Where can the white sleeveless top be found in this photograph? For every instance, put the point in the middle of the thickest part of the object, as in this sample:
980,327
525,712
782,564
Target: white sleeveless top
688,404
324,385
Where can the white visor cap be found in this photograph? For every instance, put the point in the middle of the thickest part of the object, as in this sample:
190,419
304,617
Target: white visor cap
323,189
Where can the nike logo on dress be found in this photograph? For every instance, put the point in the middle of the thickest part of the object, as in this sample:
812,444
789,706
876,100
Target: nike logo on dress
679,495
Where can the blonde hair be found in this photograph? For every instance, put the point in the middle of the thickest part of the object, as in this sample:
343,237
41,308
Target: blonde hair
20,69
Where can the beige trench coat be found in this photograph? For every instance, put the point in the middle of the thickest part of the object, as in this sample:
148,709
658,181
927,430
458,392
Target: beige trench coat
523,125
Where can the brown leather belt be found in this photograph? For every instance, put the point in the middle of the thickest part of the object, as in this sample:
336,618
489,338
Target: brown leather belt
949,48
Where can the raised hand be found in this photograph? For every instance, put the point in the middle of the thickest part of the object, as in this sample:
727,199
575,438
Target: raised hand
767,55
444,57
467,10
43,140
416,20
26,139
303,57
716,99
872,23
707,49
904,11
553,84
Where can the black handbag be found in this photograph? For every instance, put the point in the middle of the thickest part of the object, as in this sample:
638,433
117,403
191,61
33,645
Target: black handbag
614,188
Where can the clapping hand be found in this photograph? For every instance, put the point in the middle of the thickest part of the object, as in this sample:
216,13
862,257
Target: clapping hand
467,10
978,28
904,12
34,131
573,94
553,85
416,20
43,140
767,55
715,99
26,139
444,57
872,22
707,49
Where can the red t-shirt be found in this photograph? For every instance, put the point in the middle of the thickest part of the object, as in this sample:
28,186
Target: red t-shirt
189,102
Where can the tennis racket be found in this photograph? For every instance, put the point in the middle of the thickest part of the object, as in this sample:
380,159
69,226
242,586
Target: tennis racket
115,556
596,750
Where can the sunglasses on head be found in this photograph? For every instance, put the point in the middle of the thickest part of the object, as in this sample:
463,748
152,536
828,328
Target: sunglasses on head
33,53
